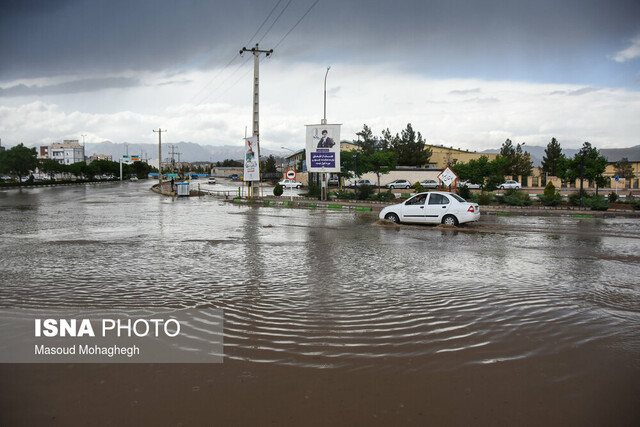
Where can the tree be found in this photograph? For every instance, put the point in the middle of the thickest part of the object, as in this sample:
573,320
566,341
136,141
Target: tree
349,160
518,163
522,166
368,141
18,160
77,168
475,170
229,163
409,146
624,169
51,167
381,162
592,167
140,169
551,158
270,164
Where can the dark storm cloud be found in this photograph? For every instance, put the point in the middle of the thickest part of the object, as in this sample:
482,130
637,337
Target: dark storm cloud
78,86
449,37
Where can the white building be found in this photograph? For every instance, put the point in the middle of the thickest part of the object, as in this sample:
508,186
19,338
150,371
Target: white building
70,151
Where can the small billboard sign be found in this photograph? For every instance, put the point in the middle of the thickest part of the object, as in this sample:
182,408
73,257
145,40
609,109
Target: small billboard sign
447,176
323,148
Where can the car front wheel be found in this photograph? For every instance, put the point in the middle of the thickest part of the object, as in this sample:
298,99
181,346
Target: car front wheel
392,217
450,220
502,187
298,186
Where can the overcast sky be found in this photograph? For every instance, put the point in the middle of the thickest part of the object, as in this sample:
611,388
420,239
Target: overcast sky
466,74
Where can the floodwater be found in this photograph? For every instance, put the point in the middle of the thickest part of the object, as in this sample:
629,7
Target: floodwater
330,318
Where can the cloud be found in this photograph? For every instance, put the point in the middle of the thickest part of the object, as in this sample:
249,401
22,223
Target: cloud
291,96
465,91
631,52
76,86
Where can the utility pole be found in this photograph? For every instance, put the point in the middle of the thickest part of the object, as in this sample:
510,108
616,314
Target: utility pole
256,92
173,159
159,131
84,149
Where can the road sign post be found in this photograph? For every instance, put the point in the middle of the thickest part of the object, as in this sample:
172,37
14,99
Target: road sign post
291,174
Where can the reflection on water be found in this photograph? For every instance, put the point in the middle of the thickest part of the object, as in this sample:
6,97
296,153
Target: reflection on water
316,288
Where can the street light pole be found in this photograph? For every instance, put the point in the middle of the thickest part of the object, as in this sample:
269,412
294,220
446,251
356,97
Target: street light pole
583,151
324,120
323,179
84,149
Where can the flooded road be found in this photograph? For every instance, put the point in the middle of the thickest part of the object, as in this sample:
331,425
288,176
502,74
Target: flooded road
330,317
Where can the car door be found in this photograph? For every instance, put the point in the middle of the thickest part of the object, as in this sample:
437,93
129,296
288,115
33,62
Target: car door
437,206
413,209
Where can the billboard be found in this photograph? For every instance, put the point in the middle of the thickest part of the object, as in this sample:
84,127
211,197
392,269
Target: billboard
251,161
323,148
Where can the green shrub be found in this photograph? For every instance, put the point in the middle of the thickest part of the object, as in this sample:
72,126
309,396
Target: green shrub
550,189
364,191
551,200
591,201
574,198
419,188
485,198
596,203
278,190
464,192
516,198
636,204
385,196
613,197
345,195
313,190
550,197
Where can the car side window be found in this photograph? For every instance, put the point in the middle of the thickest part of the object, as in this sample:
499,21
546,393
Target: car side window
438,199
412,201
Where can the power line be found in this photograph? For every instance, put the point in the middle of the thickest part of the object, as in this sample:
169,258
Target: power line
296,24
207,95
274,22
263,22
235,57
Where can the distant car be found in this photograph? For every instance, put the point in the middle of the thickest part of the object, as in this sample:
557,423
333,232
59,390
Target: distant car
509,185
429,183
212,180
361,182
133,178
290,183
432,207
399,183
468,185
333,181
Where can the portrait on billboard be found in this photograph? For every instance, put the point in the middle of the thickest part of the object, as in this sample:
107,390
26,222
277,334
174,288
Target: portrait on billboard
323,148
251,164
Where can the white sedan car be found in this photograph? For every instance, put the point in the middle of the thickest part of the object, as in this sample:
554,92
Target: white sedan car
468,185
435,207
290,183
510,185
399,183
